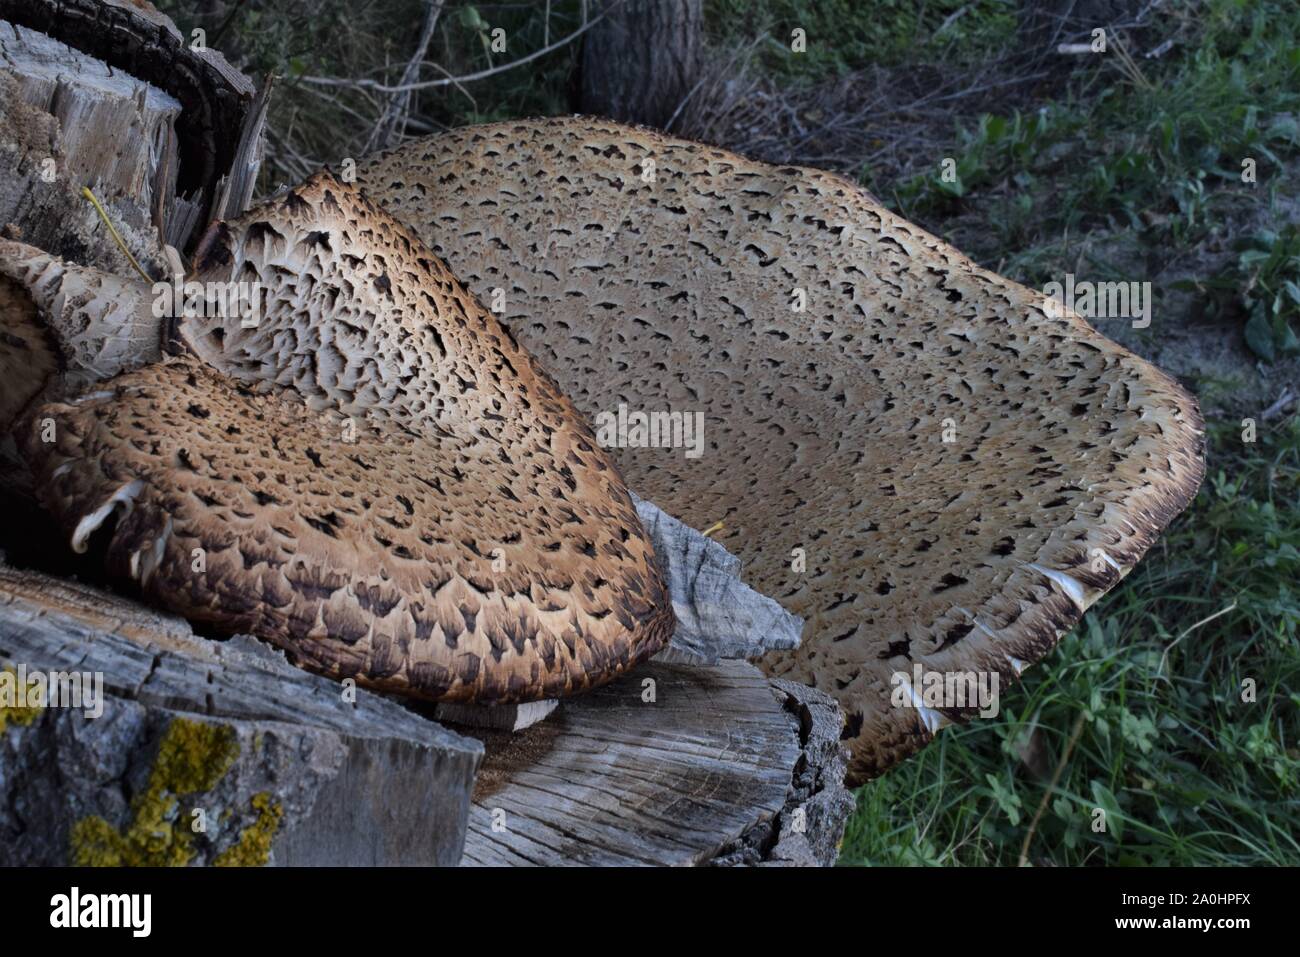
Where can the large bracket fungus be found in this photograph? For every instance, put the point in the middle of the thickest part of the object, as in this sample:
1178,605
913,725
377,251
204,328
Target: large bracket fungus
965,469
922,459
372,475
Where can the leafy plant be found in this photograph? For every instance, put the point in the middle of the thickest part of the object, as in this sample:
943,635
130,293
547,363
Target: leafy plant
1269,264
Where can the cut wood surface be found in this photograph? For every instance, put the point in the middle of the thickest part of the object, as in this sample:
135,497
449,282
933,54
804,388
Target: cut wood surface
612,778
68,120
95,107
809,829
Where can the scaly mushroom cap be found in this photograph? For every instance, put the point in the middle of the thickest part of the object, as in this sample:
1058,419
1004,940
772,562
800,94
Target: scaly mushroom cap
65,326
29,356
416,506
664,274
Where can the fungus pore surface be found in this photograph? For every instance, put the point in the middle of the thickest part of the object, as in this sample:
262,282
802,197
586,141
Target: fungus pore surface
911,452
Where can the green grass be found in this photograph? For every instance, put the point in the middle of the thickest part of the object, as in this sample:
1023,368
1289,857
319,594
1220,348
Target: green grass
846,35
1153,162
1264,283
1187,772
1113,147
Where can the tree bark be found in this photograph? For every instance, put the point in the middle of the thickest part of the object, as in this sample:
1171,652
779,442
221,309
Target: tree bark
642,60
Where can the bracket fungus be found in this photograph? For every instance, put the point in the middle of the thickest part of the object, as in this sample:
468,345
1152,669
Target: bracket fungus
372,475
963,470
64,328
78,326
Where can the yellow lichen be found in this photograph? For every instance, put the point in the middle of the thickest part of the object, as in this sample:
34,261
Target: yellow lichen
254,846
192,758
11,712
96,843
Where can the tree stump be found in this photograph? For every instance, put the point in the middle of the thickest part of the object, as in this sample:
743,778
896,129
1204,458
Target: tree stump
672,765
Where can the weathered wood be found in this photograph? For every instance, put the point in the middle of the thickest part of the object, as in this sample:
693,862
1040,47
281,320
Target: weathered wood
135,39
670,765
235,190
96,108
612,778
718,615
300,772
810,827
68,120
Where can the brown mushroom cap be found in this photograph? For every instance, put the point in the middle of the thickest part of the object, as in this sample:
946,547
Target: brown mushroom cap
29,357
66,326
414,505
660,273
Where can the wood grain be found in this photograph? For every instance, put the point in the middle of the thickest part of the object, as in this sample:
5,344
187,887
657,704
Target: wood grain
613,780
